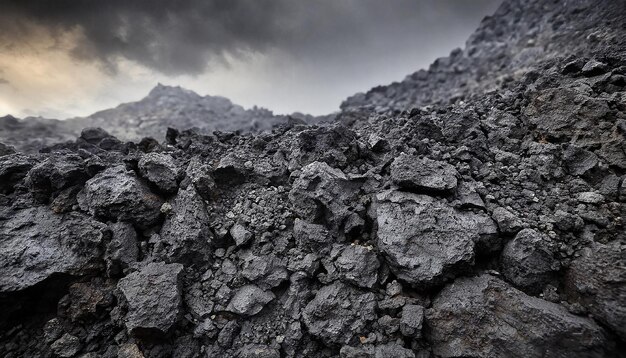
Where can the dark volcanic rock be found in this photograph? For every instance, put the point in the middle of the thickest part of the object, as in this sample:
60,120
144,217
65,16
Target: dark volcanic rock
423,174
36,243
484,317
154,298
117,193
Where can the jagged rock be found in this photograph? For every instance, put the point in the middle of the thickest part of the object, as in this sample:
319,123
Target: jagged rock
528,260
339,313
240,234
13,168
506,220
381,351
36,243
122,250
231,170
258,351
411,321
410,172
129,350
117,193
590,197
358,265
485,317
597,280
579,161
322,194
161,170
249,300
56,173
185,231
594,68
424,239
154,298
311,236
66,346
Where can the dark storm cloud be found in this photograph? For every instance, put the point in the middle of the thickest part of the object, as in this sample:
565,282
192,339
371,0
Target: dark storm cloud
177,37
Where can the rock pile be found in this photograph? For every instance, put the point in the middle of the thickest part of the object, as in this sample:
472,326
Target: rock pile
487,227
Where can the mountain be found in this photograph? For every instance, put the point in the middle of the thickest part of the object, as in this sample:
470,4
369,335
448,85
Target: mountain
485,225
162,108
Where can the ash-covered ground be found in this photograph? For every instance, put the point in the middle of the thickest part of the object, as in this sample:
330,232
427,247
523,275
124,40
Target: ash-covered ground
472,210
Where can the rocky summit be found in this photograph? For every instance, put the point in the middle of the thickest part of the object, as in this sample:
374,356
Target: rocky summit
475,209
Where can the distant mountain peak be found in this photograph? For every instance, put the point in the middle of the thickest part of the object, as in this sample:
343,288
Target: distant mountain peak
161,90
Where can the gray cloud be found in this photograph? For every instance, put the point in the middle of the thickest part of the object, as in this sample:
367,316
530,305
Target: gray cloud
3,81
182,37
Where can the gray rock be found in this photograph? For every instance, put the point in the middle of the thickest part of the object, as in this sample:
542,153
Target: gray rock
594,68
161,170
339,313
590,197
56,173
66,346
389,350
410,172
597,280
508,222
424,239
258,351
358,265
249,300
311,236
118,193
323,193
186,230
240,234
579,161
411,321
36,243
485,317
122,250
528,261
13,168
154,298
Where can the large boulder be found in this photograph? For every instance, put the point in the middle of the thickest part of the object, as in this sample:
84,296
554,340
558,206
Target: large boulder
36,243
186,232
323,194
597,280
485,317
528,260
154,299
117,193
339,313
161,170
413,173
424,239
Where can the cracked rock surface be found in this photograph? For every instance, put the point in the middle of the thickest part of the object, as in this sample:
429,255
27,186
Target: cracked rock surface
475,209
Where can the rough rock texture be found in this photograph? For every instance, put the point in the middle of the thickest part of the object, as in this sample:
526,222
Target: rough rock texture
154,297
475,209
485,317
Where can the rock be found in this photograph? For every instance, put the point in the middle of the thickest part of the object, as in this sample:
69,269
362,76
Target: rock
528,261
484,317
230,171
339,313
13,168
66,346
424,240
118,194
579,161
86,300
161,170
508,223
323,194
358,265
122,250
36,243
590,197
56,173
594,68
185,231
228,334
311,236
129,350
154,298
6,149
240,234
424,174
597,280
411,321
258,351
249,300
389,350
93,135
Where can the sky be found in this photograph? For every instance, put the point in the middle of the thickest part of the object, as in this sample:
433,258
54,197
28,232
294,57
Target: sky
67,58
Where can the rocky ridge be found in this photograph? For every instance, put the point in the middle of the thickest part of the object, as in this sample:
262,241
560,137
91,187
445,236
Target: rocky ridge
489,226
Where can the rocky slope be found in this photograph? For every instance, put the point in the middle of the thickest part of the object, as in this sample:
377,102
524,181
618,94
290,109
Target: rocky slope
490,226
164,107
